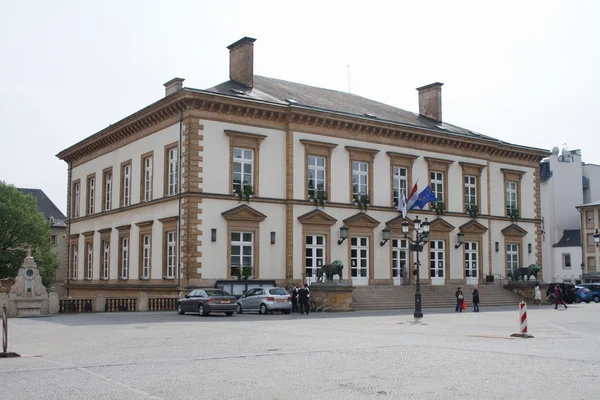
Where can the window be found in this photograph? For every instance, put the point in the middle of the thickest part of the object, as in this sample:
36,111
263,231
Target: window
566,261
589,217
511,196
512,256
147,177
400,272
314,257
171,254
91,191
171,169
360,178
124,271
400,183
359,257
316,175
53,240
242,254
76,196
126,184
74,260
146,257
437,184
317,164
437,259
470,190
591,265
105,260
107,190
243,166
89,261
244,160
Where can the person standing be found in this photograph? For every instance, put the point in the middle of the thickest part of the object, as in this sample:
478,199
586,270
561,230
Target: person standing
476,299
537,296
459,299
559,297
294,295
303,295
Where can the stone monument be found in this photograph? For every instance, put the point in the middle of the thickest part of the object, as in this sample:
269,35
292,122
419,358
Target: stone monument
28,296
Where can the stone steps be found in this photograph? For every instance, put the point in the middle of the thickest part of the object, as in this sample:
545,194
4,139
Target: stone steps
403,297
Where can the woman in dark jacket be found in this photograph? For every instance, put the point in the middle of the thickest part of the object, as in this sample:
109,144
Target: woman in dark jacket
459,300
476,300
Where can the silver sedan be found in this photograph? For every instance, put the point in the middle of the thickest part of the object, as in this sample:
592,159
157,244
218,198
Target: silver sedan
265,300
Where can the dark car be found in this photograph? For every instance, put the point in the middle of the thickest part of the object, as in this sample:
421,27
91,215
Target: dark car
595,289
568,289
206,301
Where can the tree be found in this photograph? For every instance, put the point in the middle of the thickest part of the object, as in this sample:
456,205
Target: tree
22,225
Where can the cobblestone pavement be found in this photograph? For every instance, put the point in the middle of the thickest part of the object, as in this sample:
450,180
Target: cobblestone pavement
358,355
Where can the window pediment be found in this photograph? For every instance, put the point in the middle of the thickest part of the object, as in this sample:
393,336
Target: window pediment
318,148
243,139
472,169
440,225
438,164
473,227
401,160
396,223
243,212
361,220
514,230
317,217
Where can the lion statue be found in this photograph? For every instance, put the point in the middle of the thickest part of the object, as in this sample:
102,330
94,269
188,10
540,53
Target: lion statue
329,270
528,272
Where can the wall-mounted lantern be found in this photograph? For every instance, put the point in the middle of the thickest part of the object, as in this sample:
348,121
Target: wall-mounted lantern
272,237
497,247
386,235
213,235
343,234
460,238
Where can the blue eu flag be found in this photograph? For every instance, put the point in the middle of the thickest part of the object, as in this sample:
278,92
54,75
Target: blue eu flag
426,196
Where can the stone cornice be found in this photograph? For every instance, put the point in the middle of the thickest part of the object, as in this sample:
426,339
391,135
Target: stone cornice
187,100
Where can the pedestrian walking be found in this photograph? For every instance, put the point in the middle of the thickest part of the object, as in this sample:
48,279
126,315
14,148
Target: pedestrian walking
294,295
459,299
475,299
303,297
537,296
559,297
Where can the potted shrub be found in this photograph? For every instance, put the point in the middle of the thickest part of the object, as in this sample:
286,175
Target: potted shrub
244,191
236,271
362,201
513,214
319,197
246,272
439,207
472,210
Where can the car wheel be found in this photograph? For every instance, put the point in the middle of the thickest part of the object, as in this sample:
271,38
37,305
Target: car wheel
229,314
596,299
287,312
239,309
587,301
180,309
577,299
263,309
201,310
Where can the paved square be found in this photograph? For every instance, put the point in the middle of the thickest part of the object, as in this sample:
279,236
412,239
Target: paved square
323,356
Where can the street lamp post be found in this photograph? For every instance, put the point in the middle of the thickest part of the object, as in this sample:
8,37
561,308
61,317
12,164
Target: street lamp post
422,237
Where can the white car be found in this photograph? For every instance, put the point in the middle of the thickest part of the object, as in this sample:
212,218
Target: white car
265,300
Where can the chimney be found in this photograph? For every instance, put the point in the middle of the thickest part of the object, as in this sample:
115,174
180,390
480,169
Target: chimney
241,61
430,101
173,85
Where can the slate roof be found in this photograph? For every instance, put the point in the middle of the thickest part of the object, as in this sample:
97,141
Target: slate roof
570,238
280,91
46,206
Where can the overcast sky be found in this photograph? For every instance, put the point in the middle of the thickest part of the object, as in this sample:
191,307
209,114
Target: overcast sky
524,72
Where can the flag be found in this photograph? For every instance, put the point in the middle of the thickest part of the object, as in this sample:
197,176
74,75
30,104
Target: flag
425,197
402,205
412,198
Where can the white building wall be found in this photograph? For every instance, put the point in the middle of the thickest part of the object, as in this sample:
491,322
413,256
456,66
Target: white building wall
592,172
570,274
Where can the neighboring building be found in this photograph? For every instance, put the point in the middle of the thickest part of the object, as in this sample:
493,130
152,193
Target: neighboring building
591,183
590,213
183,160
58,230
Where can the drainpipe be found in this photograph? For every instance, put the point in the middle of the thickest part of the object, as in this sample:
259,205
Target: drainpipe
68,266
179,195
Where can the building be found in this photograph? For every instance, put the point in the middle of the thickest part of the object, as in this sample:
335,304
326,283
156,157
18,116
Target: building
206,186
58,228
590,213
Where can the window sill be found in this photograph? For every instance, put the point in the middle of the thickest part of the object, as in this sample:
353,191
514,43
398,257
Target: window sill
87,279
103,279
123,279
144,279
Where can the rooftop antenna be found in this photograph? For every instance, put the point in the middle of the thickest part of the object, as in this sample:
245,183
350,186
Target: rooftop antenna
349,90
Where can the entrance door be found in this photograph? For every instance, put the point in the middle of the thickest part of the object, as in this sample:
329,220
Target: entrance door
359,260
314,257
471,263
400,261
437,261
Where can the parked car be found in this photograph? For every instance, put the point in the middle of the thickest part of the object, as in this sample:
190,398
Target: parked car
595,289
265,300
583,294
568,289
206,301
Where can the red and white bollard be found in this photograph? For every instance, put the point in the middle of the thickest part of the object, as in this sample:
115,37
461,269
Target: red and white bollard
523,322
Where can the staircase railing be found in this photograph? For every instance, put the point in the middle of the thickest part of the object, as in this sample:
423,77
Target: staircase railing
493,278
